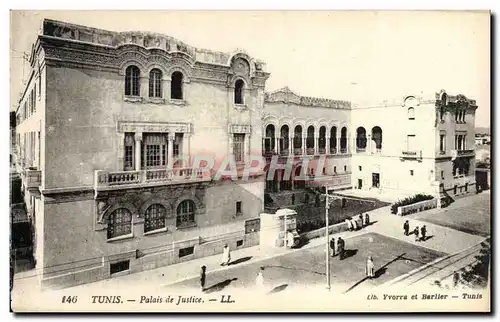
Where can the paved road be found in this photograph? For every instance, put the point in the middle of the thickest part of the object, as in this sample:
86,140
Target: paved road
306,267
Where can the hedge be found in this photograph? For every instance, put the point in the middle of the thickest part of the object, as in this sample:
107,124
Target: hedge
409,201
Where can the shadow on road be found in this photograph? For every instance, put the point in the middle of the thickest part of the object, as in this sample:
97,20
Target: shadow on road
427,237
350,253
219,286
278,289
240,260
371,223
378,273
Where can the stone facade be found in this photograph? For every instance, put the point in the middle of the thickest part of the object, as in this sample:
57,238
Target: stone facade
95,149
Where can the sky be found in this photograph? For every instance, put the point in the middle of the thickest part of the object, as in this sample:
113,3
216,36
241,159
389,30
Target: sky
360,56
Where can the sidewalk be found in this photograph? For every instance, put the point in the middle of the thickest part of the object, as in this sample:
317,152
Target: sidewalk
443,240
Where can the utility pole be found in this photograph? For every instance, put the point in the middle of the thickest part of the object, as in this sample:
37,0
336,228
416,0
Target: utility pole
327,234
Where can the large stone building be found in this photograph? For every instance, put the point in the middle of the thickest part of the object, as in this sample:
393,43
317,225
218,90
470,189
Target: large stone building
111,126
108,126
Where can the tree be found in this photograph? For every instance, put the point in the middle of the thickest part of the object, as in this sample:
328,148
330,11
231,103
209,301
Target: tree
478,274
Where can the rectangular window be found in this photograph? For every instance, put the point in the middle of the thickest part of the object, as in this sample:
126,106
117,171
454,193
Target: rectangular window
119,267
411,172
345,168
238,207
442,174
239,243
252,226
334,169
154,150
186,251
442,140
411,142
360,168
178,144
128,158
238,147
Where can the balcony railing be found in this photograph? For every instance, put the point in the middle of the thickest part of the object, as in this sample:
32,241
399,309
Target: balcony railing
343,150
33,178
322,150
415,155
360,150
297,151
333,150
310,151
108,179
463,153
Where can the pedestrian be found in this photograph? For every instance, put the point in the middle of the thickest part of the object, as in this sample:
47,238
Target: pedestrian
259,281
370,268
361,220
349,224
423,232
456,279
293,199
226,256
340,248
406,227
367,219
415,231
203,277
332,247
354,224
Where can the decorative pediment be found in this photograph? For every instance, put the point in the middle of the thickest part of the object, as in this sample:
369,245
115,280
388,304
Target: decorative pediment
283,95
158,127
240,128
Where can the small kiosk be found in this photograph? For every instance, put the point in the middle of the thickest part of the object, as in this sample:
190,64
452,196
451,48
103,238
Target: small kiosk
279,229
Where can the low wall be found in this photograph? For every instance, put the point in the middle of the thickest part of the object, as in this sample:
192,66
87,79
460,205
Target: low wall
333,229
417,207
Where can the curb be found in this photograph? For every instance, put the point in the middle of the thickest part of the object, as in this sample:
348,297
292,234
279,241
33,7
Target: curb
423,267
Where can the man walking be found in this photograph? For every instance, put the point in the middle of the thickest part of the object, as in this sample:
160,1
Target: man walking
406,228
361,219
367,219
416,231
340,247
332,247
226,256
423,232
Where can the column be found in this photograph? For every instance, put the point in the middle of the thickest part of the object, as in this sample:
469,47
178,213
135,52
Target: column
304,144
277,145
170,153
464,141
369,145
121,152
327,145
316,142
186,149
138,139
290,146
338,145
144,86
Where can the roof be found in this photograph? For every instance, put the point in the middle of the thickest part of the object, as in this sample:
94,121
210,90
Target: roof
286,95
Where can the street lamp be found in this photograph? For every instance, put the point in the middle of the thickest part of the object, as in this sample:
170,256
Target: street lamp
327,234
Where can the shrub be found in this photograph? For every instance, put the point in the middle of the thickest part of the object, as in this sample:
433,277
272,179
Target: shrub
409,201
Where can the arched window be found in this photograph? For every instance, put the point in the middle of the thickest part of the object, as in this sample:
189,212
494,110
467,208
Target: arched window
297,140
155,217
284,140
322,140
132,81
360,139
238,92
377,137
119,223
411,113
343,140
176,86
185,214
269,140
155,79
310,140
333,140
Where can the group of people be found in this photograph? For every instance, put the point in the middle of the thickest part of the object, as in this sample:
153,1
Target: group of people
361,221
337,248
420,233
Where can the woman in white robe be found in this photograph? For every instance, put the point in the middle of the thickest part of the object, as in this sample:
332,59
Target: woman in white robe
226,256
259,280
349,224
370,267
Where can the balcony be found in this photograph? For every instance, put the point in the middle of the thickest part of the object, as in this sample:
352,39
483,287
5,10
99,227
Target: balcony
333,150
343,150
111,180
33,180
411,155
360,150
465,153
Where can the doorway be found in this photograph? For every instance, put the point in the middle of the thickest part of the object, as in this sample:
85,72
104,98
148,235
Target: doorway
360,183
376,180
